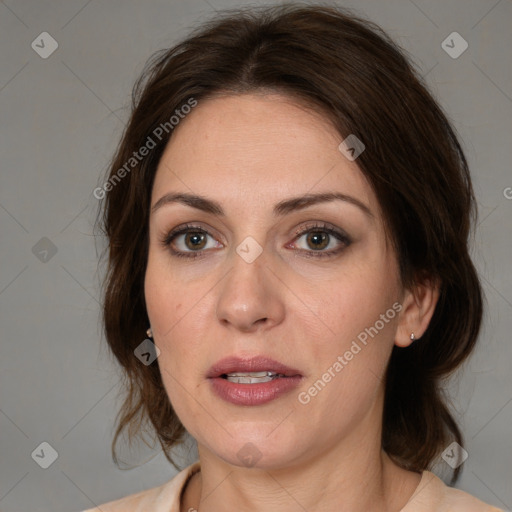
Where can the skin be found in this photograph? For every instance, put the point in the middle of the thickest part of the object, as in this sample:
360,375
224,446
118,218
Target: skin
249,152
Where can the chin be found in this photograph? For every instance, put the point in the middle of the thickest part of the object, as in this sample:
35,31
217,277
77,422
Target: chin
256,449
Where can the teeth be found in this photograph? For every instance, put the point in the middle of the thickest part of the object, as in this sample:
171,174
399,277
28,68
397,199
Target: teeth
252,377
250,374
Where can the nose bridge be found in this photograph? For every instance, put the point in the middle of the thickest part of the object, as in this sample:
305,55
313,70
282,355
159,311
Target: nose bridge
247,296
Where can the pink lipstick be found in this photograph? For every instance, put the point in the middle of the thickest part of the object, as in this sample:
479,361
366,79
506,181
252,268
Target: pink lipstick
252,381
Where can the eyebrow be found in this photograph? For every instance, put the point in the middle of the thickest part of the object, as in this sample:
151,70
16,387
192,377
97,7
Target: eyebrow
280,209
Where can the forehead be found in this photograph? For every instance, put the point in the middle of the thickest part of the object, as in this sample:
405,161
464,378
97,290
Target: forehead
259,147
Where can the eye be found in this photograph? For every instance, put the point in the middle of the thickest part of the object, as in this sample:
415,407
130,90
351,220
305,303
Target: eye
319,237
191,240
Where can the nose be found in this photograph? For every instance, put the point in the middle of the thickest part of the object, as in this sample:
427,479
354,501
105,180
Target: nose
250,296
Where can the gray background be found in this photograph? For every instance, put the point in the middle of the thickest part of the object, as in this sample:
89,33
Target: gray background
61,119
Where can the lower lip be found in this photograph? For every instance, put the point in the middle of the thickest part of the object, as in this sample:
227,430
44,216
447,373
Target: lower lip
253,394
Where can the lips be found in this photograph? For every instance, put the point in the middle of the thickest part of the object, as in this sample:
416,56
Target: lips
254,364
252,390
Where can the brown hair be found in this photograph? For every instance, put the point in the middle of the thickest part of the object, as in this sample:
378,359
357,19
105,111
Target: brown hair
350,70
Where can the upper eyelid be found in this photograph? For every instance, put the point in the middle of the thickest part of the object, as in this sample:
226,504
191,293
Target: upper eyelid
319,224
188,226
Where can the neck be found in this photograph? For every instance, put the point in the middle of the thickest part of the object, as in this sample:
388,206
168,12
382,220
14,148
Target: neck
354,476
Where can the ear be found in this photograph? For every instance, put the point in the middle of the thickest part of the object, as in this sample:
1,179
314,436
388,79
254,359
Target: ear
418,306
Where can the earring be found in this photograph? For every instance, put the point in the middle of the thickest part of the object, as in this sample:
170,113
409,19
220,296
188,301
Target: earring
149,332
412,336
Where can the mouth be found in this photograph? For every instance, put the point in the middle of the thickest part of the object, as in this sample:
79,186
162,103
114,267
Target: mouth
252,370
252,381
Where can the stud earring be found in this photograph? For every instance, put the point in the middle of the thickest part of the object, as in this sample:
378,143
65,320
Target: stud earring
412,336
149,332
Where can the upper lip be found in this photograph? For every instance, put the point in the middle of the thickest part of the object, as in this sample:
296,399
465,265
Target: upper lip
234,364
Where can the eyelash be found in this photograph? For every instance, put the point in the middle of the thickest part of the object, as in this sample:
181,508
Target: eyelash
318,227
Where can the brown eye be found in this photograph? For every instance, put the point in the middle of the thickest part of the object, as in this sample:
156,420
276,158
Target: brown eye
319,237
187,241
318,240
195,240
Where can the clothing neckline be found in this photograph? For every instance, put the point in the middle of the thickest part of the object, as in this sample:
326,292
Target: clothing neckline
191,471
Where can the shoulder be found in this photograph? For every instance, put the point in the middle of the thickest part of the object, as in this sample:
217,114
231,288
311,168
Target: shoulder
433,494
165,498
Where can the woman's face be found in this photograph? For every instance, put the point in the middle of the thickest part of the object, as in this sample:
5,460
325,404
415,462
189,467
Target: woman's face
267,280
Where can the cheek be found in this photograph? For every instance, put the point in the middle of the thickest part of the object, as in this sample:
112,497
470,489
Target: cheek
355,320
348,366
352,303
171,313
166,302
178,321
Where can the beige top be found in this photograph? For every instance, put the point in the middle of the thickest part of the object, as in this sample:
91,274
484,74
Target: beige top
431,495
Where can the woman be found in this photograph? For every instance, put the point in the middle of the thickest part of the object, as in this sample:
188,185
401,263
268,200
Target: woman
288,216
